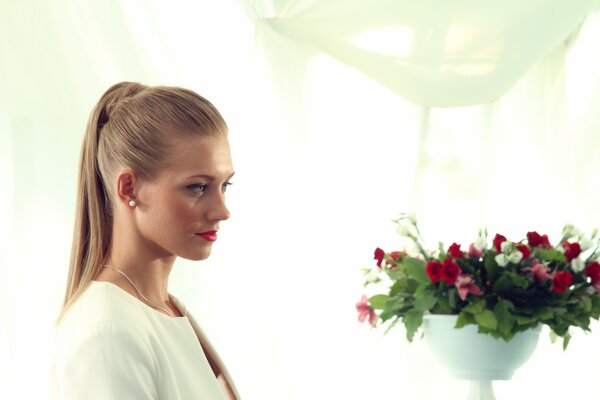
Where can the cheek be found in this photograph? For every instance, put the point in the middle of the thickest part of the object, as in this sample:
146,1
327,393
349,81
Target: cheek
172,218
178,215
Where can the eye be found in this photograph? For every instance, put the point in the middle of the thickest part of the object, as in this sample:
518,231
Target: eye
197,188
225,186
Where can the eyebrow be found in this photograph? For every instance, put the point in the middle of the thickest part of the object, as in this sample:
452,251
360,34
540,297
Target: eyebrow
210,177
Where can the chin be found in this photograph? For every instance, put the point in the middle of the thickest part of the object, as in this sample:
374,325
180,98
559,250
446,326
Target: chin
197,256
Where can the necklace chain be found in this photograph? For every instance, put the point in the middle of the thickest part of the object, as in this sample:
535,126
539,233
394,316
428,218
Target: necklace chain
168,312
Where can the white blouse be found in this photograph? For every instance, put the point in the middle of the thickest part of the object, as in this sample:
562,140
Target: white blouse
110,345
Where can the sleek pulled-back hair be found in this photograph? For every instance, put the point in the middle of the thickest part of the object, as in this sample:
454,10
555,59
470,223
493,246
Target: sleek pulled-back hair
132,126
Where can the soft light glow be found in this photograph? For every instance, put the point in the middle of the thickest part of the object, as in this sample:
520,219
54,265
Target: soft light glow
395,41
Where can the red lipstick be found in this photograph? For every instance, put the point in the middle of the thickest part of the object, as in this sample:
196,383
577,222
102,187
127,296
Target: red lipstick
211,236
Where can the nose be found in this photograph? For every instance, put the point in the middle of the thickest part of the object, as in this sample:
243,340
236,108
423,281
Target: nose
218,211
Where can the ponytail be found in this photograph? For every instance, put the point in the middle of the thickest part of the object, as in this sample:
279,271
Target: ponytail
93,212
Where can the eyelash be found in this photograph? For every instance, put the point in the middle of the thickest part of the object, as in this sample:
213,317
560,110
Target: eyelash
199,188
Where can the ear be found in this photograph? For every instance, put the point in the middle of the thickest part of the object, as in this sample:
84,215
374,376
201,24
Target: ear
126,183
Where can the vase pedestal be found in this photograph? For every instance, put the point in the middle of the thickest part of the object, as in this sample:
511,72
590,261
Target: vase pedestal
481,390
478,358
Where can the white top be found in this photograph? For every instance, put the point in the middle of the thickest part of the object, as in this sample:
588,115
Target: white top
110,345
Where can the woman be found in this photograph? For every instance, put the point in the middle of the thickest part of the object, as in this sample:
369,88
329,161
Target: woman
154,168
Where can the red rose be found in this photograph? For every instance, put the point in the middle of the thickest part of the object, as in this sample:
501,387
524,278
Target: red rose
593,271
535,239
434,271
379,256
454,251
450,271
498,239
561,282
524,250
394,255
572,250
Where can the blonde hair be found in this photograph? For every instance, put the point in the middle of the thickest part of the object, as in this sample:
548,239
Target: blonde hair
131,126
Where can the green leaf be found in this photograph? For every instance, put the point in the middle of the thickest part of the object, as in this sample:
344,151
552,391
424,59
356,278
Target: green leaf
525,319
412,321
491,267
503,313
586,303
464,319
550,255
423,289
487,319
596,305
442,307
396,288
425,301
510,281
566,340
452,298
393,307
544,313
378,301
416,269
475,308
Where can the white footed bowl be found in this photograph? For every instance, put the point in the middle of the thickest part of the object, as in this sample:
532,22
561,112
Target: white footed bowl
467,354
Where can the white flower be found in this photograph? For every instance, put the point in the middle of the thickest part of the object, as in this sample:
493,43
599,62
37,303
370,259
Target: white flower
570,231
515,257
585,244
567,230
480,243
501,259
412,217
577,264
504,246
403,230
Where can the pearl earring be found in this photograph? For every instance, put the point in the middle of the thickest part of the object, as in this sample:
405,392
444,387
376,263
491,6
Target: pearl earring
132,203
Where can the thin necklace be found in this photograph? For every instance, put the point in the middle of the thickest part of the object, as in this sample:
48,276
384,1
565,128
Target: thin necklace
168,312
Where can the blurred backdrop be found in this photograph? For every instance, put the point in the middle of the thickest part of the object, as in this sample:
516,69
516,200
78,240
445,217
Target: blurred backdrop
342,114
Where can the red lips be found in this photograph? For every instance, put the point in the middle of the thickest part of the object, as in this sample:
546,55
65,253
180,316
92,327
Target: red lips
211,236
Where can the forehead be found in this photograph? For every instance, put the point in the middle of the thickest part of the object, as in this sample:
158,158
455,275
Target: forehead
200,155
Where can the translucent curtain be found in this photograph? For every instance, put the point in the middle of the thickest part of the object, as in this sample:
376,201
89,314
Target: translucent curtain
510,150
432,52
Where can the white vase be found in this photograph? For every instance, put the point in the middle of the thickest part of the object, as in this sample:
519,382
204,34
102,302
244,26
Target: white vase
479,358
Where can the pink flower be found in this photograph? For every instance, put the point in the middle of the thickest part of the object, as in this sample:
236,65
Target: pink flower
474,252
365,310
540,271
466,285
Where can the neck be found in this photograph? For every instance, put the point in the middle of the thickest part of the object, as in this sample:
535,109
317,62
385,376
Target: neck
149,268
150,278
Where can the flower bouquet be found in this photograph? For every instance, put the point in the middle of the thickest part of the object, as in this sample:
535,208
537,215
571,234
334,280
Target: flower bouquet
502,287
